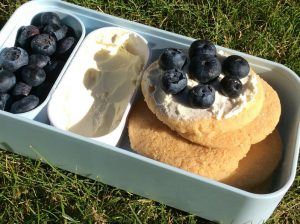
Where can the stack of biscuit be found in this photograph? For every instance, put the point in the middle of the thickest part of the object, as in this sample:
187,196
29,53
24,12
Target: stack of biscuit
242,150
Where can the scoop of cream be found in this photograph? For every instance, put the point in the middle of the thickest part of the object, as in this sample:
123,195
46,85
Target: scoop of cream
109,72
177,106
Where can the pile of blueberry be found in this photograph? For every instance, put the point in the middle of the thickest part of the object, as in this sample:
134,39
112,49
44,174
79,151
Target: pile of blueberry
29,69
203,66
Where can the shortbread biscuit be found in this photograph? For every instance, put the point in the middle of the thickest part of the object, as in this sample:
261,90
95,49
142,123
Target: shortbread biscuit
150,137
206,128
253,132
259,163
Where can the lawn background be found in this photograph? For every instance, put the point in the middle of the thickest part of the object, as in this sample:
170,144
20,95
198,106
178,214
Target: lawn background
31,192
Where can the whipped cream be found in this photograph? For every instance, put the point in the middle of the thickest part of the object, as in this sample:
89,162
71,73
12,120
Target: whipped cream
177,106
97,96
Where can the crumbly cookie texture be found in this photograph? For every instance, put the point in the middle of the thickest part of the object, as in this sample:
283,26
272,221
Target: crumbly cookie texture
253,132
259,164
150,137
235,166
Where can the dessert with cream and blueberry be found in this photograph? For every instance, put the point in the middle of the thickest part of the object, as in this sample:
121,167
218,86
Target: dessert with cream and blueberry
204,94
208,113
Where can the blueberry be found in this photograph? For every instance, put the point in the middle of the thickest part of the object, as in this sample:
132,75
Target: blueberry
42,91
49,18
172,58
204,69
202,96
59,32
202,47
4,101
25,34
33,75
38,60
215,83
21,89
50,28
173,81
43,44
53,69
231,86
71,32
65,45
13,58
7,80
25,104
235,65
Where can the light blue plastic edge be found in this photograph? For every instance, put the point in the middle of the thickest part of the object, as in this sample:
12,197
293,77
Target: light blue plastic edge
174,38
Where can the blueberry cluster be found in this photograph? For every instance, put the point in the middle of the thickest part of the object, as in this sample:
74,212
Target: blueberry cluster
29,69
204,67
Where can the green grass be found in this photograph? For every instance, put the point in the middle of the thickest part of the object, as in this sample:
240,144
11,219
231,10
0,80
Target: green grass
32,192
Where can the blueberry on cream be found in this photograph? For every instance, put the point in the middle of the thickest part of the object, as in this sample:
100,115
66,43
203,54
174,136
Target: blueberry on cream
204,69
231,86
202,96
172,58
236,66
174,81
202,48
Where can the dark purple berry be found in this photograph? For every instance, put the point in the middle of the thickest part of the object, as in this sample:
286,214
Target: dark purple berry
173,81
49,18
21,89
53,69
204,69
202,96
25,34
25,104
59,32
231,86
65,45
235,65
43,44
215,83
38,60
4,101
71,32
50,28
172,58
42,90
7,80
33,75
202,48
13,58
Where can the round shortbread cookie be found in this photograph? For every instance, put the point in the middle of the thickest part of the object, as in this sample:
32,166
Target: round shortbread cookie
206,128
259,163
150,137
253,132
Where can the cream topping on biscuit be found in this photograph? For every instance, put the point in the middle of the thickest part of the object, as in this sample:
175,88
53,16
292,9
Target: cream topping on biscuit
177,106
